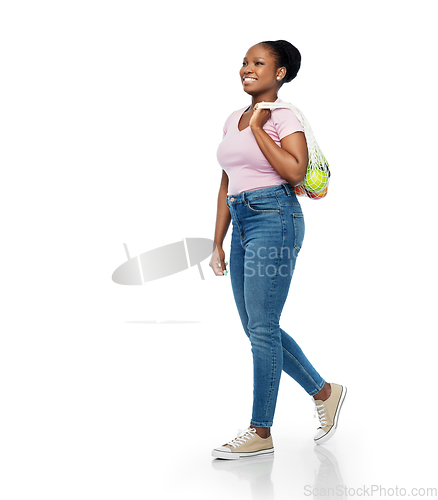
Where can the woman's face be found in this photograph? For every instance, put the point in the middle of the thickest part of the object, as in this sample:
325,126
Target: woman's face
259,71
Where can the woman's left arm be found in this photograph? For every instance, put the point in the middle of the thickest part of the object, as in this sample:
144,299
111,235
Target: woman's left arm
291,159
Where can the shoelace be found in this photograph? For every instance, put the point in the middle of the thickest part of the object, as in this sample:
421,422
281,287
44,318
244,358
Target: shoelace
321,412
243,436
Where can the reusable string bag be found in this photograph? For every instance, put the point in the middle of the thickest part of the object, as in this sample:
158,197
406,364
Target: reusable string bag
316,180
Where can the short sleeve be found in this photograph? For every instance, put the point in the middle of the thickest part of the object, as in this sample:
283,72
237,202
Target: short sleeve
286,122
227,122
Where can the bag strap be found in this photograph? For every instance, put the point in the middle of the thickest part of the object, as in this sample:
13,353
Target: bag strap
310,137
315,151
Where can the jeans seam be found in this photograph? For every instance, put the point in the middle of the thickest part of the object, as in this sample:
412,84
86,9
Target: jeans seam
274,362
248,204
282,221
241,227
305,372
295,232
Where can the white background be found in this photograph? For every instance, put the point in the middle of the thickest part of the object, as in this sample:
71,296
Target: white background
111,114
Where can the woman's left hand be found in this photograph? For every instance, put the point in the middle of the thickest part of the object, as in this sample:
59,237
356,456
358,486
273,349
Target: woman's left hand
259,117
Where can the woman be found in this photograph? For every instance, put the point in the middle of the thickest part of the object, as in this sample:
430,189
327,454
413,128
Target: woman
263,154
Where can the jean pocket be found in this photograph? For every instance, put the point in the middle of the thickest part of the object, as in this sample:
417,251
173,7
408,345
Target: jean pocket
267,204
299,230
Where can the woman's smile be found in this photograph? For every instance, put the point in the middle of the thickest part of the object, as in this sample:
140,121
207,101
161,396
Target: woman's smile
248,79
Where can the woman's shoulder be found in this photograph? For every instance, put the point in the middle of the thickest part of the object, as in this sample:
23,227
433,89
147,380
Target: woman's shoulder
285,115
282,112
285,121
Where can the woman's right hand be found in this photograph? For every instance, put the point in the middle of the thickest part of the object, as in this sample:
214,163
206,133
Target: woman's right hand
217,261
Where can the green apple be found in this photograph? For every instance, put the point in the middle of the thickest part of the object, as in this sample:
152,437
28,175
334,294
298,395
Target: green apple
315,179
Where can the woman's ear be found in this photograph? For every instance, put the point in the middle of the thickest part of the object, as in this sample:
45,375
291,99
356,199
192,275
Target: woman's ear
281,73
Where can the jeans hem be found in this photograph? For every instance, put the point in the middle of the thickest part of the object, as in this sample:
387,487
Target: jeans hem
261,424
317,390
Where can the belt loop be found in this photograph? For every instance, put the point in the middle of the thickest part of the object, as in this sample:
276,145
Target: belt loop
286,188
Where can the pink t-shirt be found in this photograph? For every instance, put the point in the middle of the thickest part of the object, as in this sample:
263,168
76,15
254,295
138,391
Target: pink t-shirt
242,159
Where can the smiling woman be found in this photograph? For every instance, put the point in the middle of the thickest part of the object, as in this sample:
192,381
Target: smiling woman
263,154
276,150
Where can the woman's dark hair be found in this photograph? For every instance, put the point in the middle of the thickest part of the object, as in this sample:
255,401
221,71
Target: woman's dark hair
285,55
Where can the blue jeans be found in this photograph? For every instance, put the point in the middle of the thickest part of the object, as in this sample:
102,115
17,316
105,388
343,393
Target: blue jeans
268,231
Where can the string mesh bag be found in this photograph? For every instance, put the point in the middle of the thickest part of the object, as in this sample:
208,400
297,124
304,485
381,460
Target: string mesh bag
316,180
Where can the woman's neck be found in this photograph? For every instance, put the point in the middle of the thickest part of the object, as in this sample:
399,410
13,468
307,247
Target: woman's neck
265,97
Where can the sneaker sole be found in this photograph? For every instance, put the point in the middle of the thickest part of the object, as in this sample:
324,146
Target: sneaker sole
332,431
236,456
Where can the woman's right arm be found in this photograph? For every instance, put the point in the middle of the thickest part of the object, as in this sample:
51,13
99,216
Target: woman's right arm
223,219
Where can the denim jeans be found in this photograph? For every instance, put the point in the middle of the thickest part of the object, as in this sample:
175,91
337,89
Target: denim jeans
268,231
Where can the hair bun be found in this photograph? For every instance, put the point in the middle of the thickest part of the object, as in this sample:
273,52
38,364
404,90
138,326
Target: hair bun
287,55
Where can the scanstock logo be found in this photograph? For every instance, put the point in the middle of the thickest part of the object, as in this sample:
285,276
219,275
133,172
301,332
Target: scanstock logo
163,261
